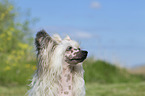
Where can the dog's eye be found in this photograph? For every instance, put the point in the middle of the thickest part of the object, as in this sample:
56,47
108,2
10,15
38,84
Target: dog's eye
69,48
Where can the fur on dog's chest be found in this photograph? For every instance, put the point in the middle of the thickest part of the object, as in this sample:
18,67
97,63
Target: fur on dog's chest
66,82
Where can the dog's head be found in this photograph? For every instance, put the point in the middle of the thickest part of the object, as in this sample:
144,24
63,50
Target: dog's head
70,49
74,55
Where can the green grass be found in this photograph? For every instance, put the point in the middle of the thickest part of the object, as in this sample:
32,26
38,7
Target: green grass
124,89
92,89
13,91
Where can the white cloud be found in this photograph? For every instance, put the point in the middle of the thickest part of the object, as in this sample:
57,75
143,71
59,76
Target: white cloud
73,32
95,5
83,35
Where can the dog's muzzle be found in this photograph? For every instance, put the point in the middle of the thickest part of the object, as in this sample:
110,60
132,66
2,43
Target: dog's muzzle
79,57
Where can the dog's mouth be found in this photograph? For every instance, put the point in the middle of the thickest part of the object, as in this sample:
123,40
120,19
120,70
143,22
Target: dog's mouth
80,57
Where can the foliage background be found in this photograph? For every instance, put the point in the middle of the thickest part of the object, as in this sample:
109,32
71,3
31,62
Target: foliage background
16,50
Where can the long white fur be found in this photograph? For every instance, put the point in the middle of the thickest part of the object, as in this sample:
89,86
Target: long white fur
46,81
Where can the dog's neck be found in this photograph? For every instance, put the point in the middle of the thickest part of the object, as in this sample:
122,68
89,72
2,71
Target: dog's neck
66,80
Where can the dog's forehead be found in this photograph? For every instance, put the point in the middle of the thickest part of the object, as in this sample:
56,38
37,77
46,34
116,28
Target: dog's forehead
71,43
74,44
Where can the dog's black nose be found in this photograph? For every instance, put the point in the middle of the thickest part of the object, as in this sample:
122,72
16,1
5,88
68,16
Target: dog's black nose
84,53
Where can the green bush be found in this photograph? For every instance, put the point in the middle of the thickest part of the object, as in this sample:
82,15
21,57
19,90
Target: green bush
17,74
104,72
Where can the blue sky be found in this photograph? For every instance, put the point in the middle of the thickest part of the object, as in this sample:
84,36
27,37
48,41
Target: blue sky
112,30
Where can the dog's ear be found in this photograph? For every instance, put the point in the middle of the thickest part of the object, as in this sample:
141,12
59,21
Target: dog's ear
57,38
42,40
67,38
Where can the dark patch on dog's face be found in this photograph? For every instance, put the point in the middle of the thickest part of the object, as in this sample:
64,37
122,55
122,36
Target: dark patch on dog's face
74,56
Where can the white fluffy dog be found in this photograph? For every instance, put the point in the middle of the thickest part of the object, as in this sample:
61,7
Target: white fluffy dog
59,71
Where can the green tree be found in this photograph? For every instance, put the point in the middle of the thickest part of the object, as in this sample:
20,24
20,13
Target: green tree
16,58
15,37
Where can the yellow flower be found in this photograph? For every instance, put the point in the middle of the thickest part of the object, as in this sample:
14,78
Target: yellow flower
2,35
34,67
10,8
9,33
2,16
9,38
27,65
23,46
21,53
11,29
14,64
7,68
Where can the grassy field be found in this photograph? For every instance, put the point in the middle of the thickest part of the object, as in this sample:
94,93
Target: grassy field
128,89
120,82
92,89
